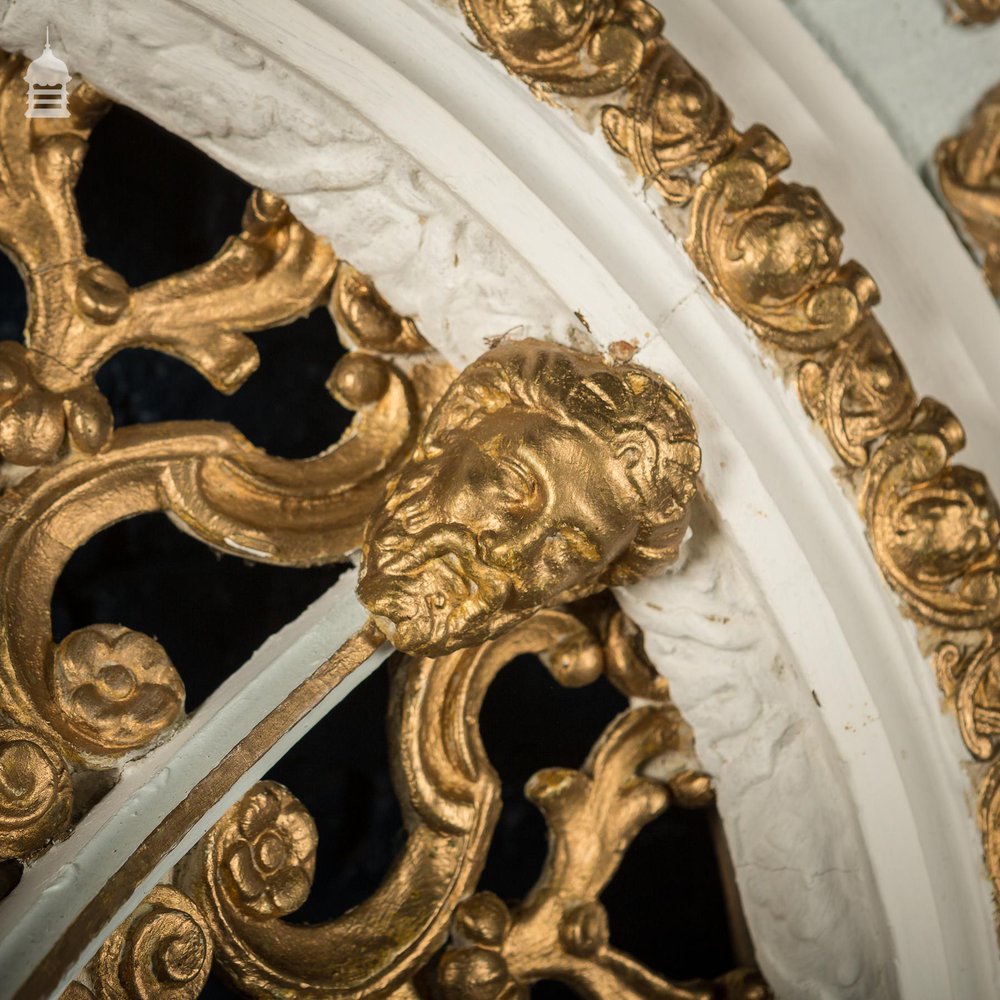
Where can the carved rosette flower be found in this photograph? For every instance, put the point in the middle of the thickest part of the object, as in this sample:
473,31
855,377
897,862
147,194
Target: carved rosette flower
860,393
969,174
575,47
771,251
270,857
162,952
35,423
36,797
674,121
932,526
116,686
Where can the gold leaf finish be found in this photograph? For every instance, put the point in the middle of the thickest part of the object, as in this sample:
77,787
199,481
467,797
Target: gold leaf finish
117,684
575,47
858,393
450,796
933,526
969,174
106,693
560,931
674,122
163,951
975,11
771,251
36,797
542,474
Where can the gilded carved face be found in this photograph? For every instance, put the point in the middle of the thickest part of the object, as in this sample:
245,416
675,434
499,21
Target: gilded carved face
531,484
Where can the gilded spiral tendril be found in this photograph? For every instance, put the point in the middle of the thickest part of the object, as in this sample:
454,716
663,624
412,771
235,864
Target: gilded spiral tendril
36,797
162,952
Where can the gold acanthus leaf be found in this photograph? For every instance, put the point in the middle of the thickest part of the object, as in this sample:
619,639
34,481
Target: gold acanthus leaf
933,526
969,174
673,122
771,250
574,47
859,393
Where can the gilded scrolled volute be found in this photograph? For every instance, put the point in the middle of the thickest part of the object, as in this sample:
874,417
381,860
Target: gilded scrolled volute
968,167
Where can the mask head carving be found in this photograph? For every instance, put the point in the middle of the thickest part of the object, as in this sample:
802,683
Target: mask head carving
543,474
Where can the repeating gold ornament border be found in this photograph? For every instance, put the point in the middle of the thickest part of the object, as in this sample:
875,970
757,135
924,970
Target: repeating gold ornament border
771,251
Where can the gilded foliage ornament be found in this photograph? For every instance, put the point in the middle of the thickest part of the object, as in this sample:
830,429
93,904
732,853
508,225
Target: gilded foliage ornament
969,174
560,931
574,47
106,692
859,393
978,698
933,527
450,796
674,121
771,250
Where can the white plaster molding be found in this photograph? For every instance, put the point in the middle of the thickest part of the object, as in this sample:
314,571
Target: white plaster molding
802,871
479,210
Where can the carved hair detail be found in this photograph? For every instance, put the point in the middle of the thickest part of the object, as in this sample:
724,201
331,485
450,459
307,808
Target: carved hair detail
636,412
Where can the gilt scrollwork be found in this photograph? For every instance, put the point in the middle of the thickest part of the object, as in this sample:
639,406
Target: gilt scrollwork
560,931
573,47
255,866
105,692
975,11
969,174
674,121
162,951
858,393
771,250
933,526
36,795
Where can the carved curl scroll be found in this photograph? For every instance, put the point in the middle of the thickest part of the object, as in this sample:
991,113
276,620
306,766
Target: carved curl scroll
969,174
771,250
674,121
573,47
255,865
858,394
932,526
36,797
163,951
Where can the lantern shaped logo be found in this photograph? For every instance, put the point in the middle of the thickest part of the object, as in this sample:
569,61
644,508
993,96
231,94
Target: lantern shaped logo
47,79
